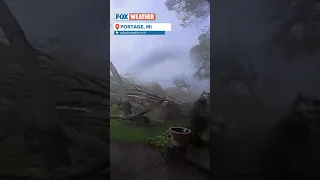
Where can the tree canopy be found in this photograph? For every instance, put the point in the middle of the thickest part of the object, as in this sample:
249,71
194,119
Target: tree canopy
181,82
200,55
189,11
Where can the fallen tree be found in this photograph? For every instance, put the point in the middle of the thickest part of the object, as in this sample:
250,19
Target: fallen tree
124,97
145,100
32,91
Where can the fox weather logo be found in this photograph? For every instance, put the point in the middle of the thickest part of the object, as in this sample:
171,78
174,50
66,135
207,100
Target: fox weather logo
121,17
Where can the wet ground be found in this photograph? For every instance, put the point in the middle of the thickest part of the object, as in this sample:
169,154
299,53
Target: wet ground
134,161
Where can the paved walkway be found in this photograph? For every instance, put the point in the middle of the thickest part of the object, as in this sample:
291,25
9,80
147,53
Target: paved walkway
133,161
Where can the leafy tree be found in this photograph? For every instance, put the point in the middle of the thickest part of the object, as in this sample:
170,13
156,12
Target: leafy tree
200,55
182,82
189,11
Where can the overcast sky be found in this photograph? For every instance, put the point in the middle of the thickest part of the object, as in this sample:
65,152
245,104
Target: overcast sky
128,51
82,25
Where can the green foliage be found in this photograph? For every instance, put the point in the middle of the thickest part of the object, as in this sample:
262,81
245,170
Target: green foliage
128,131
116,111
189,11
131,131
160,141
181,81
200,55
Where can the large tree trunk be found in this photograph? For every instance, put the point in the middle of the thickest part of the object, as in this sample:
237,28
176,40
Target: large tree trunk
124,96
39,107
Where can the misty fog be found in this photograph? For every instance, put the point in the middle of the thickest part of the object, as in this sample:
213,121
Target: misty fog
75,33
74,22
155,58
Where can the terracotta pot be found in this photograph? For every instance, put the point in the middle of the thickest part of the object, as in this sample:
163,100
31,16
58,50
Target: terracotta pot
179,136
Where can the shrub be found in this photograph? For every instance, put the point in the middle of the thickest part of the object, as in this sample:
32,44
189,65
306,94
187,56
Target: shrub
159,141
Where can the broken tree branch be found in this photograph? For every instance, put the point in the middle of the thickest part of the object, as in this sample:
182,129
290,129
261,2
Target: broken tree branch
146,110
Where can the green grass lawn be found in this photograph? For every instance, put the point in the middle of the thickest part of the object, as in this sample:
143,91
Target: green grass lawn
128,131
124,130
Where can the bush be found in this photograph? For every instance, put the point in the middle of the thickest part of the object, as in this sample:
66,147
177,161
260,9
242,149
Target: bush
160,141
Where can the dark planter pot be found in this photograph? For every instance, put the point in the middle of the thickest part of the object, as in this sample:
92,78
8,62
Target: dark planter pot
179,136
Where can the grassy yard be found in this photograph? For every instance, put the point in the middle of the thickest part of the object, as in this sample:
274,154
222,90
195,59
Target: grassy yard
129,131
123,130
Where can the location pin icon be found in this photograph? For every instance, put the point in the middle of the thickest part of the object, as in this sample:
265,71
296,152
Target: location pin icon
117,26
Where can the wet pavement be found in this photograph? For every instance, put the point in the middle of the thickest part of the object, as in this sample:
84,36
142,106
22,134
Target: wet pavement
134,161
